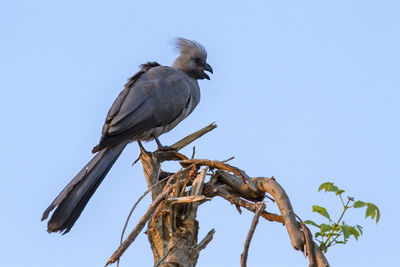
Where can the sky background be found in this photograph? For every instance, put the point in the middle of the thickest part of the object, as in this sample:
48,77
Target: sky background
307,91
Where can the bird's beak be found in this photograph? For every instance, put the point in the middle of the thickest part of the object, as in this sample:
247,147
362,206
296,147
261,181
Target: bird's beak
207,67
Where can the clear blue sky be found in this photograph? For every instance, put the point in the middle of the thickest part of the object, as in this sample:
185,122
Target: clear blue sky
307,91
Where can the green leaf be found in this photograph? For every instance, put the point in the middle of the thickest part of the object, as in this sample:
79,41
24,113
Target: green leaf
359,227
310,222
378,215
372,211
359,204
354,232
325,227
340,192
322,211
346,231
324,186
332,188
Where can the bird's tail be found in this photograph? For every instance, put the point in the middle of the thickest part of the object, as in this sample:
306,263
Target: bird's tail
74,197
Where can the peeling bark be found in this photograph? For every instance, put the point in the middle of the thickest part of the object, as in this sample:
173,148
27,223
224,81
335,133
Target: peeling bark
172,225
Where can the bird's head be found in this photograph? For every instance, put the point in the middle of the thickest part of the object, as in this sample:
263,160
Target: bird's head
192,59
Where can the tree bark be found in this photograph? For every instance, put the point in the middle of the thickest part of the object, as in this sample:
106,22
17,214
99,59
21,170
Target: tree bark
172,226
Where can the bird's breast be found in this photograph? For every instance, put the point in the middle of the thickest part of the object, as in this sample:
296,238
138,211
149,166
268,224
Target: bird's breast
157,131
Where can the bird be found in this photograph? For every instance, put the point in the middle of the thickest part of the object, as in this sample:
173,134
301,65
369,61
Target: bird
153,102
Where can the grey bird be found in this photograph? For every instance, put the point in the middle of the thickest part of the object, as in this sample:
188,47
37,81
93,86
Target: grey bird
153,102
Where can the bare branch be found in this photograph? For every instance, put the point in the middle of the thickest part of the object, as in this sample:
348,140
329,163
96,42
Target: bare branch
207,239
320,257
134,206
212,190
309,245
198,183
135,232
242,188
270,186
231,158
187,199
194,136
222,166
173,228
193,152
243,257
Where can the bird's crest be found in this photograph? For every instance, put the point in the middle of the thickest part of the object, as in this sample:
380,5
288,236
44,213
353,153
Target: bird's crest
190,48
191,55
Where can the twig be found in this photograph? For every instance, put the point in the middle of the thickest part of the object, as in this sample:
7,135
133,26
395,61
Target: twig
194,136
207,239
134,206
128,218
231,158
187,199
193,153
135,232
243,257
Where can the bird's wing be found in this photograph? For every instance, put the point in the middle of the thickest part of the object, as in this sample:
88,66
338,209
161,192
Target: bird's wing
116,106
155,99
160,95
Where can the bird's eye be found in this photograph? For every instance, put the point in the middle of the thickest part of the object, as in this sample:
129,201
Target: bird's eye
197,60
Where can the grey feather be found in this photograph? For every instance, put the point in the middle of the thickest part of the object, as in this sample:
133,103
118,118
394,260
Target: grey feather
153,102
74,197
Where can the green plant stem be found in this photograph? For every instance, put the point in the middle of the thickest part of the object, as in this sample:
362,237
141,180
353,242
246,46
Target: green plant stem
344,210
335,225
341,199
333,240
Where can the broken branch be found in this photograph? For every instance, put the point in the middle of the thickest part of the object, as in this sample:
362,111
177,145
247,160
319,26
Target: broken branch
187,199
194,136
243,257
135,232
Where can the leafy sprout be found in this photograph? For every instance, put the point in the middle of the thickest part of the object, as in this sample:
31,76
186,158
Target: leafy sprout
337,231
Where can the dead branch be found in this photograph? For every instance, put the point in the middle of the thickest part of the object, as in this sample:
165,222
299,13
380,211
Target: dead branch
212,190
194,136
228,159
270,186
134,206
132,236
237,184
320,257
243,257
207,239
309,246
188,199
214,164
172,225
